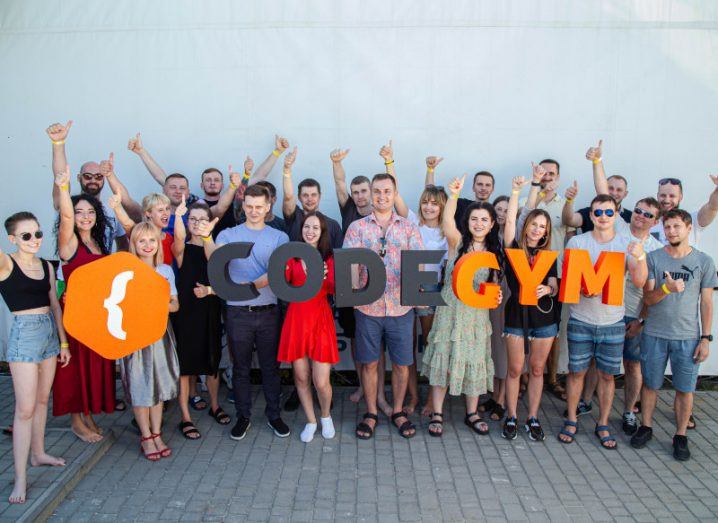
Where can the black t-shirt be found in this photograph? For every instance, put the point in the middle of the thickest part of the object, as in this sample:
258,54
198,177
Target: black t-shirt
514,311
461,205
349,213
294,221
588,224
225,222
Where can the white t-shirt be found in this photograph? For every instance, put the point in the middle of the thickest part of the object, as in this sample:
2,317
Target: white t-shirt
433,240
693,237
592,310
168,274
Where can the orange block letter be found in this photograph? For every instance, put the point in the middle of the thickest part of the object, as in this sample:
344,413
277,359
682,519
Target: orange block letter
607,277
463,281
530,277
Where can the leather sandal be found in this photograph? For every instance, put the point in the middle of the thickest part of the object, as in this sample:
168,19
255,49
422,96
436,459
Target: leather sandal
364,430
438,425
406,428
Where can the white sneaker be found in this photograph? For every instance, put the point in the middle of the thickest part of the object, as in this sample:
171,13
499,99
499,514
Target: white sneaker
307,434
328,431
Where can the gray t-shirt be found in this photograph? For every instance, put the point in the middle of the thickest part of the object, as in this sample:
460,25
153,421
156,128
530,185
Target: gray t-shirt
677,316
633,296
249,269
592,310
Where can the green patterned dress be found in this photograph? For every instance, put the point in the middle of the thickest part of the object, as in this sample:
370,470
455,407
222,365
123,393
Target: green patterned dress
458,353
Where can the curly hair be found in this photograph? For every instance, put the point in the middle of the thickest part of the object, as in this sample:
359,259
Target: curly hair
100,232
493,243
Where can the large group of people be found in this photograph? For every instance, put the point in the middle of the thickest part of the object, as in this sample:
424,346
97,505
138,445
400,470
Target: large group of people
469,351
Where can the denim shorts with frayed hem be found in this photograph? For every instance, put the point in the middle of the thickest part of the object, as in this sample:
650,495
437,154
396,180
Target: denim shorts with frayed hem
32,339
604,343
655,354
547,331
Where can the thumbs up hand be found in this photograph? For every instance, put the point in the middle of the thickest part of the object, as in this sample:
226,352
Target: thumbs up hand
572,191
674,285
594,153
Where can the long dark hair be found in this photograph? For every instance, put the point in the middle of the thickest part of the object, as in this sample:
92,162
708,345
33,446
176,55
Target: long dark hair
324,246
103,228
493,243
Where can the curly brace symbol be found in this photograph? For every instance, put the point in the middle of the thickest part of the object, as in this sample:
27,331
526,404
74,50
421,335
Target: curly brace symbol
111,303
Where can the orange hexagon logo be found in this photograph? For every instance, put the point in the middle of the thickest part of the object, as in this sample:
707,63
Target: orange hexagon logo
116,305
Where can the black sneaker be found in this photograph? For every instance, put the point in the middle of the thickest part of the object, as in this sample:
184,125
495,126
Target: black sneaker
533,427
292,402
510,431
642,436
239,431
630,423
581,409
680,448
279,427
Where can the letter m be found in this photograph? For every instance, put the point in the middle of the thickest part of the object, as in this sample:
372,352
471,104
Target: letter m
606,277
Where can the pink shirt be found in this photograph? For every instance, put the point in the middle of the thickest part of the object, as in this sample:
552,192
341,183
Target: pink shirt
401,235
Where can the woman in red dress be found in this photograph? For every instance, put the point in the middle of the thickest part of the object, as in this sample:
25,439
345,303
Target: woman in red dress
309,338
87,385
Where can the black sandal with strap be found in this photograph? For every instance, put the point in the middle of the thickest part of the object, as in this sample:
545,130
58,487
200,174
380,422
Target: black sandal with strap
220,416
364,430
498,412
438,424
190,431
406,427
473,424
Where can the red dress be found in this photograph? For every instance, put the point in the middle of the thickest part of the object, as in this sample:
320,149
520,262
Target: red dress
167,242
308,328
87,384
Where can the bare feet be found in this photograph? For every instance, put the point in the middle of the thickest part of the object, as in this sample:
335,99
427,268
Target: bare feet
411,407
90,423
18,492
357,395
384,407
45,459
85,433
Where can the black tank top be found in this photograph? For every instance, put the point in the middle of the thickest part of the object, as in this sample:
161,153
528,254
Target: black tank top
22,293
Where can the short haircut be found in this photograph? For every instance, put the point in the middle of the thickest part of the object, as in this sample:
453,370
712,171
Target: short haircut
358,180
202,206
485,173
618,177
152,199
604,198
210,170
682,215
309,182
22,216
383,176
257,191
650,201
270,187
550,160
177,175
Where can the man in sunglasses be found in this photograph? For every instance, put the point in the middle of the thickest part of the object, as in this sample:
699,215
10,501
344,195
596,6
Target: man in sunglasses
670,194
596,330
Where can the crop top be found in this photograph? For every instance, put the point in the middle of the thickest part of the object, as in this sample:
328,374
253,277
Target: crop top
21,292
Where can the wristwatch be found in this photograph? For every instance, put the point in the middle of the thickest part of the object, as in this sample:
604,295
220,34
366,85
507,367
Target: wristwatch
708,337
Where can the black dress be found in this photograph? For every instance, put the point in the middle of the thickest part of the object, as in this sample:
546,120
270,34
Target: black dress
197,323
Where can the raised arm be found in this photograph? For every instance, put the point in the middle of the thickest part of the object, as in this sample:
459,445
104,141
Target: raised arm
537,174
637,264
235,181
570,217
340,179
595,156
281,144
66,239
135,145
58,134
387,153
448,223
115,203
289,201
708,212
204,229
107,169
179,233
432,163
512,212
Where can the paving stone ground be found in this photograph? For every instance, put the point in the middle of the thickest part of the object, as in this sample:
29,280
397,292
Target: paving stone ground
460,477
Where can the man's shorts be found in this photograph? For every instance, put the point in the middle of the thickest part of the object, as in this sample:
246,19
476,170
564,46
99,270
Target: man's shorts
396,331
631,346
604,343
655,353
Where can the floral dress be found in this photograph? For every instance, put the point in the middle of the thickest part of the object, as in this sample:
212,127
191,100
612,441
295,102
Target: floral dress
458,354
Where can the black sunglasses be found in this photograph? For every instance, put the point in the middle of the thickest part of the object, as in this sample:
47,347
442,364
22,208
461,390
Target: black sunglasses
27,236
382,251
672,181
88,177
601,212
641,212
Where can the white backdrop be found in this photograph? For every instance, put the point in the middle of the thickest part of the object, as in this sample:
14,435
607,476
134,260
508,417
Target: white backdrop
488,85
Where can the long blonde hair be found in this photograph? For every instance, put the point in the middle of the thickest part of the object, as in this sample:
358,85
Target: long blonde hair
438,194
151,229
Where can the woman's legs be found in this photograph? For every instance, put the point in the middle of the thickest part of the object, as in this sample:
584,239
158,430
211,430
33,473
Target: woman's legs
540,349
155,423
183,398
142,416
24,381
320,376
82,430
37,446
213,390
426,323
301,372
516,357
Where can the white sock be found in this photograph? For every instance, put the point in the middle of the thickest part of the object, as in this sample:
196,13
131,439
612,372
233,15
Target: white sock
328,431
307,434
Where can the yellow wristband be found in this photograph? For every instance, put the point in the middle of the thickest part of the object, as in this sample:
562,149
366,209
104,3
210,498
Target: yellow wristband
246,175
232,186
65,187
665,289
206,238
515,191
455,196
276,153
389,163
569,200
209,290
58,142
597,160
64,345
641,257
542,194
429,170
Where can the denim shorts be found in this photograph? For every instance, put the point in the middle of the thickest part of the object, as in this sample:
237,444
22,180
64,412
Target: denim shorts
431,309
655,353
547,331
631,346
396,331
32,339
604,343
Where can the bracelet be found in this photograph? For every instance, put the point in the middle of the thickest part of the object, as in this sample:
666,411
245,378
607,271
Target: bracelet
64,345
65,187
515,191
535,184
429,170
455,196
542,194
641,257
276,153
232,186
569,200
209,290
389,163
206,238
246,175
58,142
665,289
597,160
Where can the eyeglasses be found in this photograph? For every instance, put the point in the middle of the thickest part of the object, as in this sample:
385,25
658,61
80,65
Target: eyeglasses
382,250
27,236
672,181
197,220
600,212
641,212
88,177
